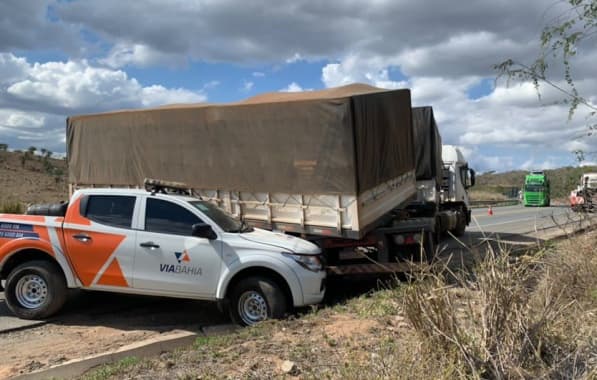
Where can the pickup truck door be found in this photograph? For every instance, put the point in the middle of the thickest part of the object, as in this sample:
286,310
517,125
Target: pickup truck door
168,259
100,240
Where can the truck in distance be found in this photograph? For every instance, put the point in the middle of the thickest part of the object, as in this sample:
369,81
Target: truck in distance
536,190
153,243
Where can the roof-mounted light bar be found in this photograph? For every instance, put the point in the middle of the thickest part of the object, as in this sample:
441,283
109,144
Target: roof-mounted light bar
166,187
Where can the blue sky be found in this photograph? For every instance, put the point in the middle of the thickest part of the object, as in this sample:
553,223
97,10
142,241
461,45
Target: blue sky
59,58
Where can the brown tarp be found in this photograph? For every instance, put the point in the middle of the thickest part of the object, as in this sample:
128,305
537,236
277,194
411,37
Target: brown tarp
428,145
341,140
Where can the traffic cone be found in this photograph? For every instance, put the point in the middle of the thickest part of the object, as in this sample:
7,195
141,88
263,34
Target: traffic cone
489,211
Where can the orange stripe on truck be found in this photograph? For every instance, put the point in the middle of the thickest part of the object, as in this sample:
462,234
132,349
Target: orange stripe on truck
113,275
89,258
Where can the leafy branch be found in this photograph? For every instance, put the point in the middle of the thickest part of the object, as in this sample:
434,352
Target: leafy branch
559,40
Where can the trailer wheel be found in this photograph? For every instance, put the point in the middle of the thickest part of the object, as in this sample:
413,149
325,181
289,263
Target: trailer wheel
460,225
256,299
429,246
35,290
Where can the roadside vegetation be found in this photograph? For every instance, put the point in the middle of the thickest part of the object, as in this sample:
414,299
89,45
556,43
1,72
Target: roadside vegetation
505,315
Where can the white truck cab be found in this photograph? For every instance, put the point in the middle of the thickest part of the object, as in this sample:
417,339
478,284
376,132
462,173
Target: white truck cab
457,175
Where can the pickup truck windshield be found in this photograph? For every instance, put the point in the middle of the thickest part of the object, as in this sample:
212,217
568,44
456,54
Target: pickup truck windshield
221,217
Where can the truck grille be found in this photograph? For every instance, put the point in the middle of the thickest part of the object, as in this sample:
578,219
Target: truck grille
534,200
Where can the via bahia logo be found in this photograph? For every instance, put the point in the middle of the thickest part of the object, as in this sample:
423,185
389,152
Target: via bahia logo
182,257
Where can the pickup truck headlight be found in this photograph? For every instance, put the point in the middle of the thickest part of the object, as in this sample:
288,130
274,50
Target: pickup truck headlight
309,262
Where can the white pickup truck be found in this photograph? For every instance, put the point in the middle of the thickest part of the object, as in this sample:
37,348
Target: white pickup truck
153,243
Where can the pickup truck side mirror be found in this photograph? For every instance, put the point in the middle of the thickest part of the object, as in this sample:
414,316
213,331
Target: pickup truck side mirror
203,230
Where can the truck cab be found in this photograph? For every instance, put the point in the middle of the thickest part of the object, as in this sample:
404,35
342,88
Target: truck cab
155,243
457,179
536,191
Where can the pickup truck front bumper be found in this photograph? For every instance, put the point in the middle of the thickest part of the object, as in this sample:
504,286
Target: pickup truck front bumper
313,285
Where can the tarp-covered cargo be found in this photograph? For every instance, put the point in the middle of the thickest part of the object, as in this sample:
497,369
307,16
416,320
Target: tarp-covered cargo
330,162
336,141
428,145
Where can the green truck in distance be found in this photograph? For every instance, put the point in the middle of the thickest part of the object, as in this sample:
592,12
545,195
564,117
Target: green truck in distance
536,189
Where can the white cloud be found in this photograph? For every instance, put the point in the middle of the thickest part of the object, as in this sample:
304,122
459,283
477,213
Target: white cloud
247,86
123,54
447,56
211,84
77,86
12,68
294,87
35,99
295,58
18,119
258,74
353,69
158,95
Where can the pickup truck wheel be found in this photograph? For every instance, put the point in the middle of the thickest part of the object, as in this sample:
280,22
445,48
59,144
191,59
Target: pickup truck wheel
35,290
256,299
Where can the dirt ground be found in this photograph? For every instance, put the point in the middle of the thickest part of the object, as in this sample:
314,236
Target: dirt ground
48,345
33,181
95,323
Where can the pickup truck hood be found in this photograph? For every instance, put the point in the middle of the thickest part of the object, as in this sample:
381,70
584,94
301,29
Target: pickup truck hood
282,241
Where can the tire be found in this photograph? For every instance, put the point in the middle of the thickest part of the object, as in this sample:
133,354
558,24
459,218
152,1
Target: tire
460,225
437,236
35,290
255,299
429,245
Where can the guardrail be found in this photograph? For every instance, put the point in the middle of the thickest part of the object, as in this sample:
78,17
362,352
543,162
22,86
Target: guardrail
479,204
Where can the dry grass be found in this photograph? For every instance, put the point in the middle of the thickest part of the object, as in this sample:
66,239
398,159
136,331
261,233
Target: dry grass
513,317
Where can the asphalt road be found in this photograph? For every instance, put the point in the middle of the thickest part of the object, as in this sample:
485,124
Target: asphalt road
514,223
519,219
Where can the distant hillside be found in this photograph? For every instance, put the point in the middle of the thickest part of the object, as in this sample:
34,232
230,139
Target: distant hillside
562,180
31,178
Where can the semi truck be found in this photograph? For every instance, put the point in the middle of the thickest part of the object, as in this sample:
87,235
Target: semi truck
536,190
339,167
